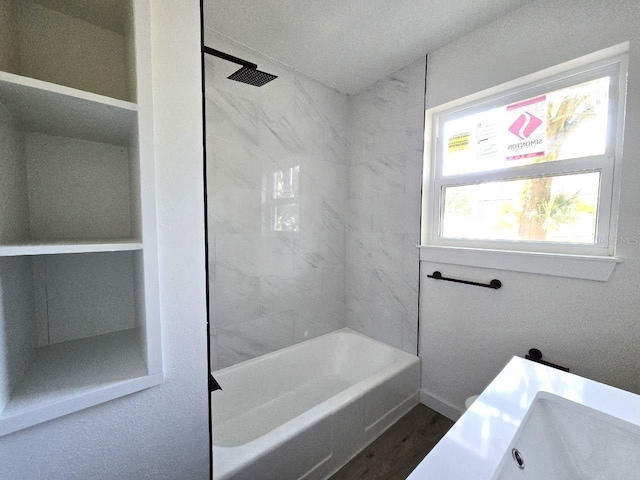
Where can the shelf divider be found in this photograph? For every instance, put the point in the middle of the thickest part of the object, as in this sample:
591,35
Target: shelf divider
66,247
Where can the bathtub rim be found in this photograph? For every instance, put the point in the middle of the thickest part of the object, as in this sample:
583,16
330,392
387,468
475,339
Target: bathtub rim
295,346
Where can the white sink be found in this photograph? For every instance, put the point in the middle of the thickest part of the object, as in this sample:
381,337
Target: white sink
563,440
564,426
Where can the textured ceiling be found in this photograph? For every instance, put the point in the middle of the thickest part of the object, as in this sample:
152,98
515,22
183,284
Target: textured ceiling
349,44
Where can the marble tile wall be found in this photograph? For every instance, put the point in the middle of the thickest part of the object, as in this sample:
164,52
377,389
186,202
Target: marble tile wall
383,214
277,185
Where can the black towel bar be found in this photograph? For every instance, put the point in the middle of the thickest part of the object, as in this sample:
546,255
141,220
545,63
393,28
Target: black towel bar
495,284
535,355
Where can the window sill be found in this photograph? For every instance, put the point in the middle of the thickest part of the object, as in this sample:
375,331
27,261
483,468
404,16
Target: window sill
559,265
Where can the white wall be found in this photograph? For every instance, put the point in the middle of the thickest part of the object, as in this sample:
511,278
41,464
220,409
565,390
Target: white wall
159,433
467,335
47,36
96,205
17,324
8,35
383,219
13,181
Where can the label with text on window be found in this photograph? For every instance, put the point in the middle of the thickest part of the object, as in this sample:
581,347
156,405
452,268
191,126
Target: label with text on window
487,140
459,142
526,129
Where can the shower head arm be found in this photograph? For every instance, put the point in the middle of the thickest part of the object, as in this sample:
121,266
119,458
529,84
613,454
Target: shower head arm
248,73
229,58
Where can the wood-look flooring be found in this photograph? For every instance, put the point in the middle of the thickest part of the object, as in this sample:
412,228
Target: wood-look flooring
399,450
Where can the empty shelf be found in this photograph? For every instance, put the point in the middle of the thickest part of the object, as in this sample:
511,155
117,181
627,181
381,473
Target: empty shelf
76,373
68,112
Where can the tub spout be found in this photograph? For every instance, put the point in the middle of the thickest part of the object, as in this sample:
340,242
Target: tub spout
213,384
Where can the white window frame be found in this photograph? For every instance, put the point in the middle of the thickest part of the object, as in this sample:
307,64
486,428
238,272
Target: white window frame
522,255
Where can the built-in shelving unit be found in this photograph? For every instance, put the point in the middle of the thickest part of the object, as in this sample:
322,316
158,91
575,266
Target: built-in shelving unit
79,318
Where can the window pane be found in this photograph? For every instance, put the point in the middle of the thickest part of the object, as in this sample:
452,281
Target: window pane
286,217
567,123
548,209
286,182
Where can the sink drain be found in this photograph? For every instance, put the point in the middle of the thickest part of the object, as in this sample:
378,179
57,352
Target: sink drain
517,457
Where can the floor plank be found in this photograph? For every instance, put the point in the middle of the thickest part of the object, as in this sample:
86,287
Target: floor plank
395,454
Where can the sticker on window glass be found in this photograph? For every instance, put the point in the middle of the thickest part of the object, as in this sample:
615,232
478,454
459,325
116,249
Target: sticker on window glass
487,140
459,142
527,127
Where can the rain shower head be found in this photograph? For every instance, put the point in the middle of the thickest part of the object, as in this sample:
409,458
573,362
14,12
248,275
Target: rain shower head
252,76
249,72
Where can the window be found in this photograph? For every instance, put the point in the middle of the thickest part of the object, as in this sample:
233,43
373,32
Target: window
285,206
530,169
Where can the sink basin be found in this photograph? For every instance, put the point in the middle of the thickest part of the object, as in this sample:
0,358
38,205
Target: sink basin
563,440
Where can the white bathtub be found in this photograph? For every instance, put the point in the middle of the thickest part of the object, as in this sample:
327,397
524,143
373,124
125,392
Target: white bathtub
304,411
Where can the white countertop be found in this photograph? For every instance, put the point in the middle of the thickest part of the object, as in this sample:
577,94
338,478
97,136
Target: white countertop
475,445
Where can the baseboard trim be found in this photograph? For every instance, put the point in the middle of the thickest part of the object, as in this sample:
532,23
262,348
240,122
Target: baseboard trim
440,405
